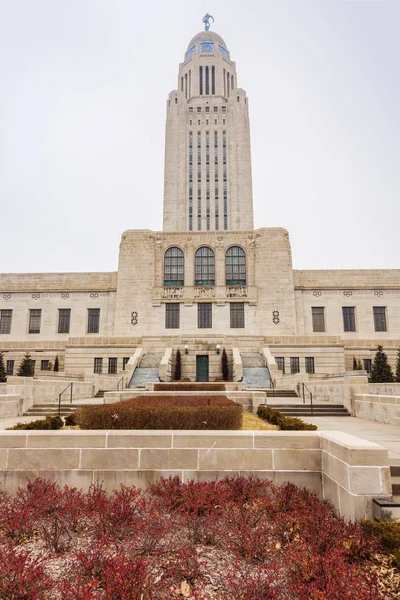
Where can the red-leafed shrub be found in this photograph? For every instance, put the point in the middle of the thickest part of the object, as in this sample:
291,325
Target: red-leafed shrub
21,576
254,584
189,387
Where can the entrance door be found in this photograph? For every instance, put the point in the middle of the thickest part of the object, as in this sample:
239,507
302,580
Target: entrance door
201,368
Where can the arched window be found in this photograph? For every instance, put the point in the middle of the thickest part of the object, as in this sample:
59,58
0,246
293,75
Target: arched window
204,266
235,266
174,267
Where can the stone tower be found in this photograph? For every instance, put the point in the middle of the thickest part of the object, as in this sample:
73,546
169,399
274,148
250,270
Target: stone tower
207,183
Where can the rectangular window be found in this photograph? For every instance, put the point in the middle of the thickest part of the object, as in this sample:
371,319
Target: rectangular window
10,367
310,368
380,318
207,109
93,320
215,108
190,109
64,319
318,318
172,315
204,315
125,361
294,365
199,109
280,363
5,321
35,317
224,109
367,365
44,365
33,366
112,366
237,315
349,318
98,366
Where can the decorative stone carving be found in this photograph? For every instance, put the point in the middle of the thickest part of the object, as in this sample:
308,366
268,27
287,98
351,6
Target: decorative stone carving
275,317
94,295
317,294
172,293
204,292
347,293
7,296
134,318
378,293
236,292
35,296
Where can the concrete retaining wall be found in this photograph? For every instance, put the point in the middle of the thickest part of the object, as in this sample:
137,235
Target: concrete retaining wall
344,469
375,407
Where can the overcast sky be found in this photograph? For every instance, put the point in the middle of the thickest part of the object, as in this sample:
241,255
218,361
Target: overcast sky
83,87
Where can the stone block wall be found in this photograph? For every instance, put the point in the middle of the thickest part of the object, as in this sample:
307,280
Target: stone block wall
339,467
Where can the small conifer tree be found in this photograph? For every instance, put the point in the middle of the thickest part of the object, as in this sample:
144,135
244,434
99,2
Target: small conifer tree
178,366
3,373
359,365
354,363
398,366
56,364
50,366
381,370
26,367
224,364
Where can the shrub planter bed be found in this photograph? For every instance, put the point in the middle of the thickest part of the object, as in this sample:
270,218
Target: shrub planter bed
176,386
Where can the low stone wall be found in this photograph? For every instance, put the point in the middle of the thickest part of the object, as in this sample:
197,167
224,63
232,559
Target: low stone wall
344,469
11,405
375,407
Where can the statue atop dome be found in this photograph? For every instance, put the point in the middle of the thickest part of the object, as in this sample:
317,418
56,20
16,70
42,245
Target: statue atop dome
206,21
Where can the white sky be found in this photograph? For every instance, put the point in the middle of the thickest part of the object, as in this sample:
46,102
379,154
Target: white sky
83,86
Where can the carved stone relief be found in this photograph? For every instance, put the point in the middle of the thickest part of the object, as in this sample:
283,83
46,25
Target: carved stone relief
236,292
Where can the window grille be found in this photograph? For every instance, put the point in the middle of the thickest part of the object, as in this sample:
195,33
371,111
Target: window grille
310,367
112,366
201,80
204,315
98,366
204,266
207,82
280,363
237,315
235,266
380,318
213,80
318,318
35,317
93,320
367,365
294,365
64,319
44,365
349,318
172,315
10,367
5,321
174,267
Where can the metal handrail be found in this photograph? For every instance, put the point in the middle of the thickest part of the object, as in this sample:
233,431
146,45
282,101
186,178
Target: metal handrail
271,381
311,397
121,380
70,385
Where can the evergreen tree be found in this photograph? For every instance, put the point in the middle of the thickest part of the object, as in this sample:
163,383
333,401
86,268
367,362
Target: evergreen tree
178,366
56,364
381,370
50,366
26,366
354,363
398,366
359,365
3,373
224,364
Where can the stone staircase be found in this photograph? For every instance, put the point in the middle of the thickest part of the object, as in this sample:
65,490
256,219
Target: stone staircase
304,410
147,371
51,409
256,377
252,359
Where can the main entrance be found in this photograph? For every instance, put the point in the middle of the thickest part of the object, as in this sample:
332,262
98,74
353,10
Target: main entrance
202,368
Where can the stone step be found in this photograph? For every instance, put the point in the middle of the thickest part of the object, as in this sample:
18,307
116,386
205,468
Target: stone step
250,359
281,393
319,410
256,377
143,376
396,484
150,361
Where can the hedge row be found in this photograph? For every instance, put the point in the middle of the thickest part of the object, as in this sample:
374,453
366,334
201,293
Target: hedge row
47,423
189,387
174,401
125,415
285,423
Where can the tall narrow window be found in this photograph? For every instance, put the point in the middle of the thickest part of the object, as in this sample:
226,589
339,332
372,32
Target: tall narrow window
190,83
5,321
174,267
224,83
208,215
225,180
93,320
35,317
190,178
204,266
181,84
204,315
228,83
237,315
201,80
280,363
349,318
44,365
98,366
310,366
232,83
10,367
125,361
318,318
186,85
199,181
207,82
367,365
64,320
172,315
216,189
380,318
235,266
112,366
213,80
294,365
